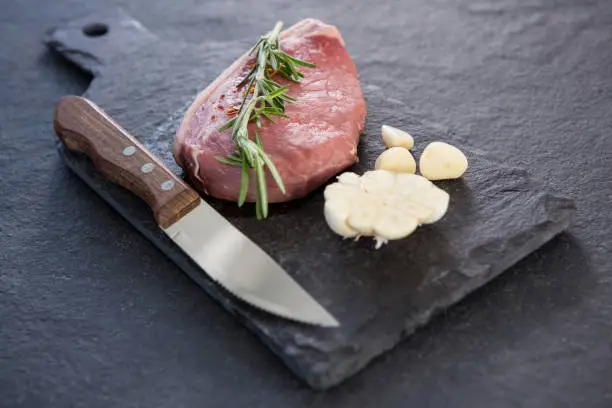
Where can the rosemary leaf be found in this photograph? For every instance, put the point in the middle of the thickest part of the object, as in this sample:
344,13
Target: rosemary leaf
244,183
230,160
227,126
270,118
274,172
261,185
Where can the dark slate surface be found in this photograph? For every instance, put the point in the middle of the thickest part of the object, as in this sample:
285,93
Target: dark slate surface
92,315
496,216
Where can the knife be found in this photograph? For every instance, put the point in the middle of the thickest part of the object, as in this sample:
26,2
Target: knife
224,253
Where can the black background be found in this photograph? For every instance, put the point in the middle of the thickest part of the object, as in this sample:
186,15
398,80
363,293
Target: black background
91,314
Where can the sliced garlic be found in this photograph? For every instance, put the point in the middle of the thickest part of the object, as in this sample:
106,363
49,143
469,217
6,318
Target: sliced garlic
406,184
364,216
377,182
394,224
336,215
420,192
436,199
341,190
383,205
442,161
421,213
397,160
393,137
349,178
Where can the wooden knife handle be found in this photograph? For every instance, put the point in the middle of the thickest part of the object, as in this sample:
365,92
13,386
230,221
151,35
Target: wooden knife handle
84,127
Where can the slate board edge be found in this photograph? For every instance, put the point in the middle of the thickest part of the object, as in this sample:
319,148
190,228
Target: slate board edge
336,374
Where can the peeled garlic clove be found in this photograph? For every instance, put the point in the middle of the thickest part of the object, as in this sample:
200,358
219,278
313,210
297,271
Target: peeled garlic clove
411,209
406,184
421,192
393,137
394,224
364,216
349,178
332,190
442,161
434,198
340,190
336,214
378,182
397,160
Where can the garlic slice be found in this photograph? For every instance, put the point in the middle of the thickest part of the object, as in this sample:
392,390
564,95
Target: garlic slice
436,199
336,214
382,205
364,216
408,184
394,224
343,191
349,178
378,182
421,213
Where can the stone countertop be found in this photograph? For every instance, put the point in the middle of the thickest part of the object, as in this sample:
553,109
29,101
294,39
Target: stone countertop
91,314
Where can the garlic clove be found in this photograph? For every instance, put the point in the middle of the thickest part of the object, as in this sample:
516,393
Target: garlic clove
349,178
336,214
378,182
397,160
406,184
409,208
364,216
442,161
337,190
436,199
394,137
422,192
394,224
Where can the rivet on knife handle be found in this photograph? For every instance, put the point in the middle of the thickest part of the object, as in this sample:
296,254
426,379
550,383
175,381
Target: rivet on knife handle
83,127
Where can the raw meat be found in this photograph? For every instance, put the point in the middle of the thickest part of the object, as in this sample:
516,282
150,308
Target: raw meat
318,141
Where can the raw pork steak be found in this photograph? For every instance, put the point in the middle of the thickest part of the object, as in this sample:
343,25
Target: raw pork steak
319,140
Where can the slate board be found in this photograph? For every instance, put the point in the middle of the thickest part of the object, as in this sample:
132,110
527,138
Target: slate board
498,214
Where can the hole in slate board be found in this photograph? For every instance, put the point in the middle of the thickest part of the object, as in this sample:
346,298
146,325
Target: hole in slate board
95,30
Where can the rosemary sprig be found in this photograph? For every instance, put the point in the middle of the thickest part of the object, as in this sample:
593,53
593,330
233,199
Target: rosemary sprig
267,101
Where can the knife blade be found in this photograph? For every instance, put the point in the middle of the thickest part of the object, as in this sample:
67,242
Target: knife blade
222,251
